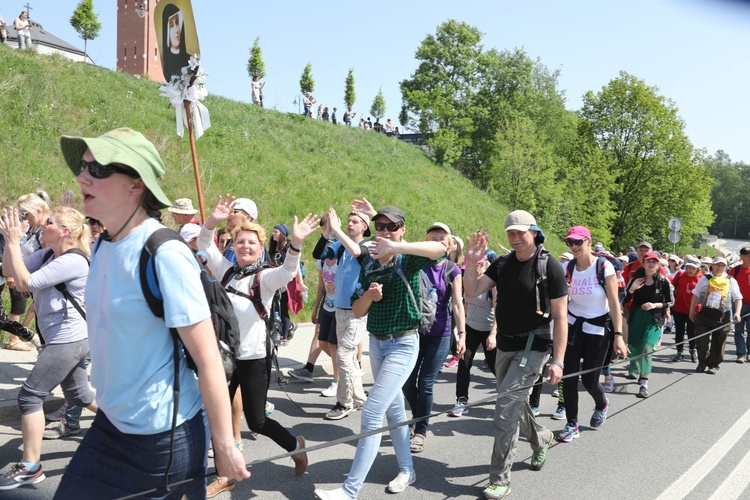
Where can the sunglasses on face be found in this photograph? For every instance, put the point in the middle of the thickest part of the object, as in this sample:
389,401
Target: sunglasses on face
574,243
99,171
390,226
22,216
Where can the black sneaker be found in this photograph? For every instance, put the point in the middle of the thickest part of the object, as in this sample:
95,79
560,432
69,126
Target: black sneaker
20,475
338,412
700,368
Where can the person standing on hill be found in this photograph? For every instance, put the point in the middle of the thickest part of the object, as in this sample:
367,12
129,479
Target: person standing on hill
23,28
258,91
307,103
348,115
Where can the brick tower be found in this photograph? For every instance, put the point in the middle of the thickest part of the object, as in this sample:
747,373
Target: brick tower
137,52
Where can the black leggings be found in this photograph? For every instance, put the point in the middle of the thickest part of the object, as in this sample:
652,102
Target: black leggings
473,339
253,377
681,323
593,350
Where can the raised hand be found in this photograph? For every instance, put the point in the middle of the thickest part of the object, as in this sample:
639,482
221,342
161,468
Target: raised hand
364,207
476,247
304,228
11,226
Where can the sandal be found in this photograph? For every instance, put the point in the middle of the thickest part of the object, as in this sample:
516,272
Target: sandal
18,346
417,443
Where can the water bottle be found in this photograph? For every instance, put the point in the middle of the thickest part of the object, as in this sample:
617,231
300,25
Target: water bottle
304,296
276,334
432,296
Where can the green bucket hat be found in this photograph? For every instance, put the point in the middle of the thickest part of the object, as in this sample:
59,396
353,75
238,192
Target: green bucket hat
123,146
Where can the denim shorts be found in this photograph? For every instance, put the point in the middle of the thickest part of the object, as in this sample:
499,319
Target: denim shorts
112,464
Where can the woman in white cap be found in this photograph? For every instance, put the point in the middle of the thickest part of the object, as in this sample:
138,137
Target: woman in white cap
127,449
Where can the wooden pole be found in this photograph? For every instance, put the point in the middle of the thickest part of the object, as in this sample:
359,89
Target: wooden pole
198,187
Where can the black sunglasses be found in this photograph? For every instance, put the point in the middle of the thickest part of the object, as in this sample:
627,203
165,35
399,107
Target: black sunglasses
576,243
390,226
99,171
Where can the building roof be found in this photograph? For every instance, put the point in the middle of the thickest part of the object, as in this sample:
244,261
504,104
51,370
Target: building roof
42,37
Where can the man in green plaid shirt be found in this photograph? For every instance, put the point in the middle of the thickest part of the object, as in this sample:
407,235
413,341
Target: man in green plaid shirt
392,320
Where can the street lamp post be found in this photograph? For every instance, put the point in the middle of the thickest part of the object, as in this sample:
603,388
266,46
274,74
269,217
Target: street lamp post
143,10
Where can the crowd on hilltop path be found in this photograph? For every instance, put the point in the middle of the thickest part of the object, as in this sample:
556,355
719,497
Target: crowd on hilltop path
323,114
177,357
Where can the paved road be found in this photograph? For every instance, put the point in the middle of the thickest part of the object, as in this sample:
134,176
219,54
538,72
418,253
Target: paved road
688,440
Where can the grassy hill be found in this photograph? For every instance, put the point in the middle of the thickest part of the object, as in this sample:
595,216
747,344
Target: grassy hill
287,164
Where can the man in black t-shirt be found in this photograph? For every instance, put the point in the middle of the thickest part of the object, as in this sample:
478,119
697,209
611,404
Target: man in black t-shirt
524,336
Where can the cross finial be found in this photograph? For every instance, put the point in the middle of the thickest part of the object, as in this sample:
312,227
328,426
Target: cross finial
28,9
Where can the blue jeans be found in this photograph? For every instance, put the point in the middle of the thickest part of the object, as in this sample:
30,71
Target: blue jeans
112,464
741,343
392,361
418,388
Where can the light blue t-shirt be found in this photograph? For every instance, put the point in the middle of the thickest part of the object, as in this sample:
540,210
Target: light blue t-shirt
132,366
347,277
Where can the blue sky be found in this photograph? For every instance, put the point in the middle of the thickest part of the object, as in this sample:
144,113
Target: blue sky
694,51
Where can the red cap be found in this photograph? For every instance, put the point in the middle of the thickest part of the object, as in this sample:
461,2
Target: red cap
651,255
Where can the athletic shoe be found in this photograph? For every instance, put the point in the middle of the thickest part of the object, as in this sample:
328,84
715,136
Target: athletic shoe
555,394
747,358
302,374
569,433
700,368
61,429
713,370
539,457
694,356
358,405
20,475
535,411
56,416
331,391
642,392
401,482
220,485
599,416
609,384
269,408
631,376
338,412
460,408
496,491
740,359
451,363
559,413
337,494
678,357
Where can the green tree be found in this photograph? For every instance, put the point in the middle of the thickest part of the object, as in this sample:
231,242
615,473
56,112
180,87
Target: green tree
306,81
729,195
655,171
349,95
255,64
437,98
86,22
378,105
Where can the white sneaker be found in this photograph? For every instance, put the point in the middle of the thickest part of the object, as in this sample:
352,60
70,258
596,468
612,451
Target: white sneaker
331,391
337,494
401,482
460,408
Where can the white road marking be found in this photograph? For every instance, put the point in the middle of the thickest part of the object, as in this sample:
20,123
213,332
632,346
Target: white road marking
684,484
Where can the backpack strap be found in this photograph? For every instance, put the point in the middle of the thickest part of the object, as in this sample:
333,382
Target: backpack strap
63,289
542,287
400,271
150,288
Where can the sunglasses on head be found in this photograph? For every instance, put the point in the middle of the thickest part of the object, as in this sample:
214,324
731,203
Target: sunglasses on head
390,226
99,171
574,243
